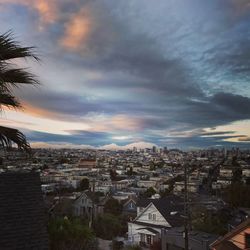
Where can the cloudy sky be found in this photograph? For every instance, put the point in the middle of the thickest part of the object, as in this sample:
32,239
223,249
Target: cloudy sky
168,72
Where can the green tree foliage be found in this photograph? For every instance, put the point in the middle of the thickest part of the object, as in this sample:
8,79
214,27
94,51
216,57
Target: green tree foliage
237,195
166,192
112,206
149,192
208,222
11,77
107,226
84,184
71,234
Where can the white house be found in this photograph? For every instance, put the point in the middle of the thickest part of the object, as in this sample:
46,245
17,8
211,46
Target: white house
153,215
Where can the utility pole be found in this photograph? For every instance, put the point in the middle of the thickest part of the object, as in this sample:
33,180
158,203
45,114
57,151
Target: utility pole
186,216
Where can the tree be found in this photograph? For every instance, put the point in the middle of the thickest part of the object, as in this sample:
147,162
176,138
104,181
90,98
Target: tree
107,226
206,221
112,206
84,184
13,77
237,195
113,174
71,234
149,192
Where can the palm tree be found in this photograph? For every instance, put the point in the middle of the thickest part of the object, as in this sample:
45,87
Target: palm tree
12,77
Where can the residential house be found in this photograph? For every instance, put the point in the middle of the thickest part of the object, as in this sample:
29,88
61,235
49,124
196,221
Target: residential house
87,163
226,172
153,215
89,204
192,187
129,207
146,183
238,238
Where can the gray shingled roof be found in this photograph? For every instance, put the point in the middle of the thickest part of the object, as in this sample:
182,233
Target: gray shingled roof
22,214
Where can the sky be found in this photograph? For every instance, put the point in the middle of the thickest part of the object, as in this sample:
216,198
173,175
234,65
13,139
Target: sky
139,73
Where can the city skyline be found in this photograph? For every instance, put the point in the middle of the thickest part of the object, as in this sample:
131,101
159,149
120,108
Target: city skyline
138,73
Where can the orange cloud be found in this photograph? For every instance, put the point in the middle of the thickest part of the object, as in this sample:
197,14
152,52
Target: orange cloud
76,30
47,9
125,122
36,111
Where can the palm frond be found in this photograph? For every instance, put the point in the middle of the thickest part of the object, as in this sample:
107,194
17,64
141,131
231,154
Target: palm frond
15,76
12,77
10,49
8,100
8,136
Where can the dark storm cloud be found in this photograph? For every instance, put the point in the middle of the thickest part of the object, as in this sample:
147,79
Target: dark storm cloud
58,102
219,109
217,133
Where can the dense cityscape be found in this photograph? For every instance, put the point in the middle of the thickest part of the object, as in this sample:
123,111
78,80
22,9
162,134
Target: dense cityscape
136,197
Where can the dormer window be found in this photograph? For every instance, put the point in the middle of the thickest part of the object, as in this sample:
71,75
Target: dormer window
154,216
150,216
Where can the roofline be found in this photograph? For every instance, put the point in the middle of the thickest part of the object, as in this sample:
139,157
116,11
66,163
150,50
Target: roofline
151,203
232,233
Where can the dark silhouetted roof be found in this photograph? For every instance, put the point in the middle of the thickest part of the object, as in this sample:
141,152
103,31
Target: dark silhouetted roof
197,240
22,214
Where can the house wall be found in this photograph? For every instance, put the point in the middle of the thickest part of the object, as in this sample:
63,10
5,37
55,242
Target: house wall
146,184
133,235
159,219
239,239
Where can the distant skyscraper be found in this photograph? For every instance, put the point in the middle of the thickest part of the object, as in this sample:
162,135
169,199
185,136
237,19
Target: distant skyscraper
154,149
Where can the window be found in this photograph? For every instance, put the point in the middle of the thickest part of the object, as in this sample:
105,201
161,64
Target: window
154,216
131,205
150,216
148,239
247,237
142,238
